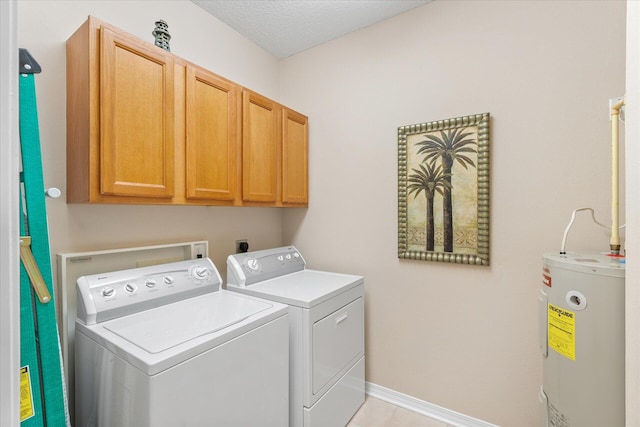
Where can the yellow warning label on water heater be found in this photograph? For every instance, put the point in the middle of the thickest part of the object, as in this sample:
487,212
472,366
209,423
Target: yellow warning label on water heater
26,397
562,331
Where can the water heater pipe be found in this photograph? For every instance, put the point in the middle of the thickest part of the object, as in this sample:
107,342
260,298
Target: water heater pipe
615,106
563,246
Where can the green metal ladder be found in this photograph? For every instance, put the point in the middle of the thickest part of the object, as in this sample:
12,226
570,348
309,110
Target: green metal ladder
42,393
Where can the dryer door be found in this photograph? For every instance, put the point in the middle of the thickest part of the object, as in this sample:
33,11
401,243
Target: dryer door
338,340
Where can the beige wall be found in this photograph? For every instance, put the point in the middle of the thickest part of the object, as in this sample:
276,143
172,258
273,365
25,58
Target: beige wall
43,28
458,336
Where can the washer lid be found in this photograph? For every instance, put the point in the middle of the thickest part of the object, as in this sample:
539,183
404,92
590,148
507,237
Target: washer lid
167,326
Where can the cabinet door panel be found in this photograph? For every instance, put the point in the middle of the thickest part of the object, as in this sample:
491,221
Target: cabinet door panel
259,148
295,158
212,132
137,118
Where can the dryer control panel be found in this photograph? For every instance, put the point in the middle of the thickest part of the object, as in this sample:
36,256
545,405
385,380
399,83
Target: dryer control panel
245,269
105,296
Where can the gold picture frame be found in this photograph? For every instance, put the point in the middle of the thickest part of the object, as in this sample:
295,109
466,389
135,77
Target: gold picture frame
443,190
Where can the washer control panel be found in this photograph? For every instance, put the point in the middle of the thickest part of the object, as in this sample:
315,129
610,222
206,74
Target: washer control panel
108,295
247,268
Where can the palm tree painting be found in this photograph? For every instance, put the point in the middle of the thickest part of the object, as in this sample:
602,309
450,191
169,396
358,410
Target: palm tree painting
443,204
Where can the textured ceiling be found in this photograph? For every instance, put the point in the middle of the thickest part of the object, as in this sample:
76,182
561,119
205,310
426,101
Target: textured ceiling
286,27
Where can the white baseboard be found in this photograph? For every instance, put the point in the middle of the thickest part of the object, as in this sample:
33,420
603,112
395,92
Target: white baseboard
425,408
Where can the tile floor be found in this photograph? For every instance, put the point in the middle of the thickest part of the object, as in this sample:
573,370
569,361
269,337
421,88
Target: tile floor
378,413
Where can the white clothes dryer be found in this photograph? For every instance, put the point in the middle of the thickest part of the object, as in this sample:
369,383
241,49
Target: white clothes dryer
164,346
326,319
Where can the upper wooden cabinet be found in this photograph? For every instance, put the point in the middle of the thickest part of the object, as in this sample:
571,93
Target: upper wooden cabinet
120,117
135,81
260,137
295,158
145,126
274,152
212,106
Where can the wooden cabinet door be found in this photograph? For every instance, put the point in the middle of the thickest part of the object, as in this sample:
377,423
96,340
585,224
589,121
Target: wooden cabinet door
260,136
212,108
295,157
136,118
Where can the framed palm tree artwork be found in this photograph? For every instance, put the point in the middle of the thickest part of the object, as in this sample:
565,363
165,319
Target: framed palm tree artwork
443,190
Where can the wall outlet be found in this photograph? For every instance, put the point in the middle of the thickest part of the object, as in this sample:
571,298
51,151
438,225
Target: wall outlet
200,250
242,245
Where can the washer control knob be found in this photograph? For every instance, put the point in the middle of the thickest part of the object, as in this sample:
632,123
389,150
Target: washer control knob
200,272
168,280
296,255
253,264
288,256
150,283
280,258
108,292
130,287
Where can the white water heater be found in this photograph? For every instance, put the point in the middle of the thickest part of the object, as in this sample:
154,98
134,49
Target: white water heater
581,336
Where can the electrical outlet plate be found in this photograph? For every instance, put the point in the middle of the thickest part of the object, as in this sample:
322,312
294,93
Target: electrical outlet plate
200,250
238,244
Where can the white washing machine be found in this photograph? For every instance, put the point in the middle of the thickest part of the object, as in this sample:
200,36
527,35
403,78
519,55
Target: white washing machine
164,346
326,317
